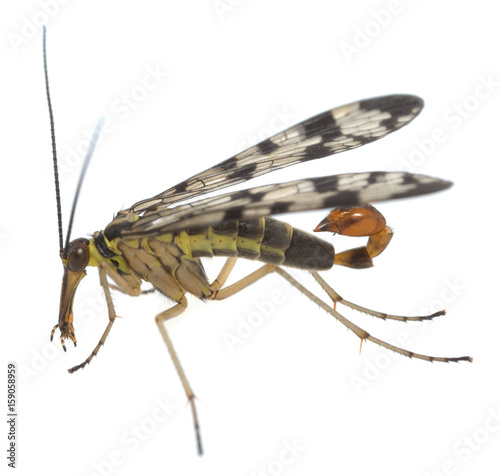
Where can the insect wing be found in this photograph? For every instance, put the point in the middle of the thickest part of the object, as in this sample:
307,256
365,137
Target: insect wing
309,194
340,129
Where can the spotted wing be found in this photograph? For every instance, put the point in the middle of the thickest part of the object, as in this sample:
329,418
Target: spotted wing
299,195
331,132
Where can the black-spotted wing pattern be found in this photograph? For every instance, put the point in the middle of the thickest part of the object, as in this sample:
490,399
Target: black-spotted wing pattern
300,195
331,132
337,130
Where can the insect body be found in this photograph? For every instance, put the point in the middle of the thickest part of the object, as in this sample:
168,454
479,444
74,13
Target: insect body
164,245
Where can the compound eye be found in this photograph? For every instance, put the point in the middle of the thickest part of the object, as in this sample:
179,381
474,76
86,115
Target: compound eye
78,256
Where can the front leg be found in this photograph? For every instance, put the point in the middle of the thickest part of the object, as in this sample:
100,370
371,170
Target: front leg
126,287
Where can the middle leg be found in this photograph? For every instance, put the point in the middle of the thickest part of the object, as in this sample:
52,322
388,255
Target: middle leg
160,320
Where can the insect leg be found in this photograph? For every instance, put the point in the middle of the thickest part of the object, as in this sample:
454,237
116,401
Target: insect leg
361,333
224,293
143,291
160,320
104,269
336,298
223,274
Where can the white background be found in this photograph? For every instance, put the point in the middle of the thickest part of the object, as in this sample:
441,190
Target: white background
234,68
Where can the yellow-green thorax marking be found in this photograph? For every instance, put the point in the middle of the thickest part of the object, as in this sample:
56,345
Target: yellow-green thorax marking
171,262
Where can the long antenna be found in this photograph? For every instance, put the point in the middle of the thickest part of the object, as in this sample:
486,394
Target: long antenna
53,135
85,166
63,246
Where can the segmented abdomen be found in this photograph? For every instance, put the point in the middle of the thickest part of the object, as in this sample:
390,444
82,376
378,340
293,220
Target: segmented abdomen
264,239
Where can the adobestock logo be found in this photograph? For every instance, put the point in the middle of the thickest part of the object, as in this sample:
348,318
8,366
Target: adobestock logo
453,119
31,27
122,107
288,454
280,120
247,325
224,7
134,437
130,100
470,444
373,368
364,35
